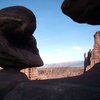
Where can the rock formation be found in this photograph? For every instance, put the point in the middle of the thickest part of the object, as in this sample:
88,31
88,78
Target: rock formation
17,44
32,73
86,11
9,79
18,48
93,56
83,87
18,51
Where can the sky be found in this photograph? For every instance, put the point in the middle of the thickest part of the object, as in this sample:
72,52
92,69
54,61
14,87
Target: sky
59,38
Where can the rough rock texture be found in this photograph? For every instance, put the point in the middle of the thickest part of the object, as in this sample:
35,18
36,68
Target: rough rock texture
93,56
42,73
32,73
17,44
9,79
82,11
83,87
15,51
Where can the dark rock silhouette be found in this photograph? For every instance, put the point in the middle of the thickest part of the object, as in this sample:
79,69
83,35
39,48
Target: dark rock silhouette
9,79
17,44
86,11
90,78
83,87
85,62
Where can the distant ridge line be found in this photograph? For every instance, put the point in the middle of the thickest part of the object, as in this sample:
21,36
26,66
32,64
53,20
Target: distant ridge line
66,64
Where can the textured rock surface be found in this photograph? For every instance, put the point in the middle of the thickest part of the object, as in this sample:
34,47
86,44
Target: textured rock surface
96,49
82,11
84,87
42,73
17,45
9,79
32,73
94,55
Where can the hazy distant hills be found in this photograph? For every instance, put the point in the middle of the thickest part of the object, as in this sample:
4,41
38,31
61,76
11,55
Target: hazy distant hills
66,64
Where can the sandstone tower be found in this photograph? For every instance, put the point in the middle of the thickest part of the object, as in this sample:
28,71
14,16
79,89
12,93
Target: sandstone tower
94,55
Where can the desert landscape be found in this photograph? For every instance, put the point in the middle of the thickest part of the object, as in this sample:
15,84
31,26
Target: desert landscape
54,71
67,69
58,72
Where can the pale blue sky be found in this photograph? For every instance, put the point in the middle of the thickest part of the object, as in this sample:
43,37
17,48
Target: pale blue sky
59,39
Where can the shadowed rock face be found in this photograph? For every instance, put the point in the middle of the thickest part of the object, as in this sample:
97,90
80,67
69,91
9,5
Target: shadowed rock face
17,19
83,87
82,11
17,44
9,79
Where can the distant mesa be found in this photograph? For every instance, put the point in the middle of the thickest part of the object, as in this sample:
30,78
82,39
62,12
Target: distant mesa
18,47
82,11
55,70
66,64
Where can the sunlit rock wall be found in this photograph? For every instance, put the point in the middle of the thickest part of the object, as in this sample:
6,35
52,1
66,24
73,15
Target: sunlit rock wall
95,53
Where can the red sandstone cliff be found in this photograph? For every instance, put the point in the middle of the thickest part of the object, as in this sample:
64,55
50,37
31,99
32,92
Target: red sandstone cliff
94,56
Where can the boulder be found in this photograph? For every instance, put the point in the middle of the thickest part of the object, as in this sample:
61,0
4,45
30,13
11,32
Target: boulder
18,47
82,11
